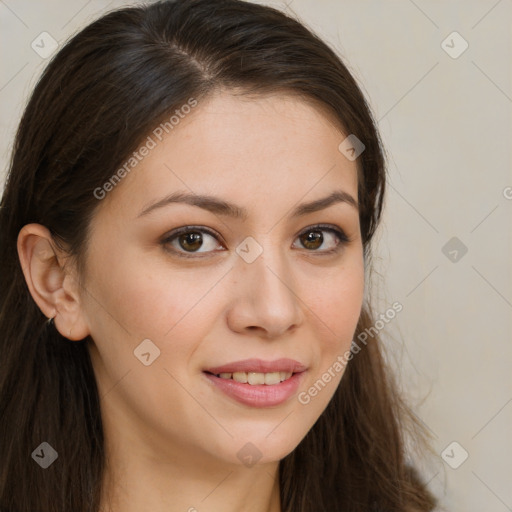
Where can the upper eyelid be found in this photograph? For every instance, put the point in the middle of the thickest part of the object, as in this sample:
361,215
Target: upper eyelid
212,232
344,238
191,228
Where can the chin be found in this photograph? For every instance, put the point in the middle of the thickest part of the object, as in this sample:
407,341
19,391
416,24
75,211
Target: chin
262,446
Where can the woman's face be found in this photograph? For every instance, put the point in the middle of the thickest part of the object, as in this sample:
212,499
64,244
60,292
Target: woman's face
261,294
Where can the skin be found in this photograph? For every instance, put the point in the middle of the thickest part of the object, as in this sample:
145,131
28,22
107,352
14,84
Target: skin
172,438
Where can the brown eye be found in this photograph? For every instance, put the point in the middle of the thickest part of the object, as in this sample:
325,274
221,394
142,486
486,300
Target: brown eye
315,238
191,241
312,240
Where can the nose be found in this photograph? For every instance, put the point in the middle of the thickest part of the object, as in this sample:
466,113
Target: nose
264,298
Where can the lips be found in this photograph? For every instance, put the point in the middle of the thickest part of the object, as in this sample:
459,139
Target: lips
256,382
259,366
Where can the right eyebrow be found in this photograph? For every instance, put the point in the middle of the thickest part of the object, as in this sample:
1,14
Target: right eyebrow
222,207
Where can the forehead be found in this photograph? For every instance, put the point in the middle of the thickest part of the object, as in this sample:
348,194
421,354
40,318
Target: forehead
274,149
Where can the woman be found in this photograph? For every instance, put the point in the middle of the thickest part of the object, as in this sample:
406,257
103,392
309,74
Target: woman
192,195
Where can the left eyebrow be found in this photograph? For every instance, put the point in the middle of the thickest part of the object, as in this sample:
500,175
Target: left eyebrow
221,207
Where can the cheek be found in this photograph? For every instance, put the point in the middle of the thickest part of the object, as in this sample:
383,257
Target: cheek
335,315
336,305
135,301
141,300
143,295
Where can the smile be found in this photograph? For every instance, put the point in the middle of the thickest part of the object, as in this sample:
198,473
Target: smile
257,383
255,378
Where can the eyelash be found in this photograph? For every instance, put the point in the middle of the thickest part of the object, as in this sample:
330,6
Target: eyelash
339,233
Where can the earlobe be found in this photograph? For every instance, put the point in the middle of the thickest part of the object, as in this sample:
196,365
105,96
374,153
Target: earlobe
50,282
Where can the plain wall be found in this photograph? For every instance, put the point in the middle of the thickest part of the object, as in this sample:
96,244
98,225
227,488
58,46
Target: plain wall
446,125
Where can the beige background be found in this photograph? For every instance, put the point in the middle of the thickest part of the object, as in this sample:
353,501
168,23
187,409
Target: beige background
446,124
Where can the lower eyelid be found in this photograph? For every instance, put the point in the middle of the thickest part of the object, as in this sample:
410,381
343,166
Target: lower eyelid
342,240
172,237
337,232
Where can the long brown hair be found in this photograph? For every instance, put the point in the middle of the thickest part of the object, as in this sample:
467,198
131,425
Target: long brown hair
99,97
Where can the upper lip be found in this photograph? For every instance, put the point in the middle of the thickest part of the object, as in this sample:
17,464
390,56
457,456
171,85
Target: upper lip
259,366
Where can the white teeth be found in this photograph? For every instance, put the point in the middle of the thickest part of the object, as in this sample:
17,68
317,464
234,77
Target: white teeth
256,378
240,377
272,378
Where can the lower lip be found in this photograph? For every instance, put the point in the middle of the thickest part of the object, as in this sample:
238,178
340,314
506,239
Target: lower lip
259,395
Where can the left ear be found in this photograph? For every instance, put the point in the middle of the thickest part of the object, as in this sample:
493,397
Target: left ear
52,284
